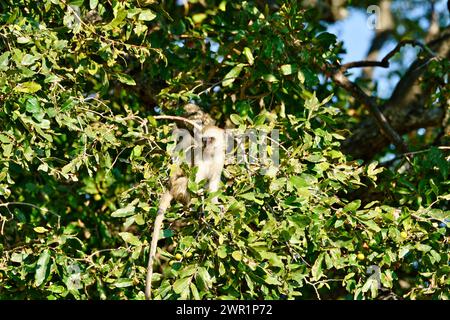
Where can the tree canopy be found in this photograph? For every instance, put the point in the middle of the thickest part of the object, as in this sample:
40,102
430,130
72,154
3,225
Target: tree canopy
357,208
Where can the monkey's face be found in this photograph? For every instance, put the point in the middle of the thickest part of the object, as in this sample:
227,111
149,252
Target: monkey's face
207,141
213,141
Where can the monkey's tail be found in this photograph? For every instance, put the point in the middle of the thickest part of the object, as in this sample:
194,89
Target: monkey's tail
163,205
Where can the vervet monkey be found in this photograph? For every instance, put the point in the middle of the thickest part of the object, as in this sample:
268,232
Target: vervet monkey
209,158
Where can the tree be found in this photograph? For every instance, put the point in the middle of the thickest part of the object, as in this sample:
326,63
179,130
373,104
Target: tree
83,153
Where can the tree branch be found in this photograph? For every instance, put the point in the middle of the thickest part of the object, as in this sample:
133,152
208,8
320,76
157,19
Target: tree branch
176,118
384,63
405,110
383,32
362,97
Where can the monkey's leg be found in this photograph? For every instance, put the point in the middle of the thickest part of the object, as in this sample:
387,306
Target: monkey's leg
164,204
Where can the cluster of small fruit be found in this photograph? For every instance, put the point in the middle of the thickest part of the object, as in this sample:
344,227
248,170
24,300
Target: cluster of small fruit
178,257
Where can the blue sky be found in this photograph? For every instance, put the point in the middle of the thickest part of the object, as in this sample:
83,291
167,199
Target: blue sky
356,36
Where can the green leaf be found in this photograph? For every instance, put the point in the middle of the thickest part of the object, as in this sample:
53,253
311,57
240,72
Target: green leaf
181,285
23,40
300,220
316,270
338,223
28,87
124,212
269,78
251,196
223,6
194,291
166,233
205,277
352,206
77,3
4,60
130,238
136,253
237,255
139,219
232,75
272,258
367,285
18,257
188,271
152,121
33,106
423,247
137,151
404,251
222,252
372,225
56,288
287,69
315,158
326,39
312,104
272,280
7,150
372,169
93,4
28,60
124,78
301,77
123,283
147,15
248,54
119,17
4,139
40,229
302,181
277,184
42,267
199,17
236,119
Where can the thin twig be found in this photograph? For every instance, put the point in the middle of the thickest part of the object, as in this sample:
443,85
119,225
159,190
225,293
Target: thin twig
384,63
389,162
427,150
45,210
315,288
194,124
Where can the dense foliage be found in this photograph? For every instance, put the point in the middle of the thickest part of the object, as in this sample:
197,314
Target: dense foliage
83,160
